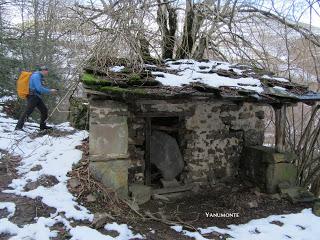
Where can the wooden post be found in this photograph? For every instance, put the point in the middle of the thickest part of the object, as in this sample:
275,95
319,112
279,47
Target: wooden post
147,170
280,124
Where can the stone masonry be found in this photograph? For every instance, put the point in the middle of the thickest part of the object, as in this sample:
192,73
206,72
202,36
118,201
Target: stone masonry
211,138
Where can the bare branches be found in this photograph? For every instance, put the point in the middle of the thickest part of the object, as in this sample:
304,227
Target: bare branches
302,30
230,30
303,136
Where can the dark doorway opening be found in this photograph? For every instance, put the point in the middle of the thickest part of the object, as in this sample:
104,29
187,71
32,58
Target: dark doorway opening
171,126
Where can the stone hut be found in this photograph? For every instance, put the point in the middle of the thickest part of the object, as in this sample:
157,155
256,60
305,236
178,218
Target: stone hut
184,123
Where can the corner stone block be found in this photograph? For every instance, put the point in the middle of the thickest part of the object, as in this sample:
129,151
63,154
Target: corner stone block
267,168
112,174
280,172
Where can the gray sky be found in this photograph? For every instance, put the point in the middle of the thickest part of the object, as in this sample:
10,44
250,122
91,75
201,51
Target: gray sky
303,15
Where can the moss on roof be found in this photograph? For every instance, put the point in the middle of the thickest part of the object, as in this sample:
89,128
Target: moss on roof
91,80
126,82
137,91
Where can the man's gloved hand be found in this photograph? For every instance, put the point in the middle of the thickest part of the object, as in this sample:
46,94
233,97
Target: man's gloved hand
53,91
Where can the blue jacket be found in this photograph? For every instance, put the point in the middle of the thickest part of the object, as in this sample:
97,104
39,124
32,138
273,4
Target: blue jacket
35,84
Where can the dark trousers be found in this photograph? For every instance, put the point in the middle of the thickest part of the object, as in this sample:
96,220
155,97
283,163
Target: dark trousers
33,101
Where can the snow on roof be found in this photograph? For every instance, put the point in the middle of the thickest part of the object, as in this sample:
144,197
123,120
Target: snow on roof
191,77
192,71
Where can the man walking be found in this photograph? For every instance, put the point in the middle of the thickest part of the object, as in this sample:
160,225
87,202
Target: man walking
34,99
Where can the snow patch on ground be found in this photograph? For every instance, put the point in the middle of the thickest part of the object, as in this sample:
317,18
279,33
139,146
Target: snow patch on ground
123,230
10,207
56,155
299,226
85,233
36,231
7,98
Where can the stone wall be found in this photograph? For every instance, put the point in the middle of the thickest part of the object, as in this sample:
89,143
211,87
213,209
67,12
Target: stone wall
79,113
136,148
211,136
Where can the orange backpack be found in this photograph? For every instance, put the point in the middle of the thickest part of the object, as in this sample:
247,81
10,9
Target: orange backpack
23,84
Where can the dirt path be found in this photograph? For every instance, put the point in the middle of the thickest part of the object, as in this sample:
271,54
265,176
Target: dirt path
191,209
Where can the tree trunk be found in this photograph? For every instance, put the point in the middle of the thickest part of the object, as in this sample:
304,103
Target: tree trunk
167,20
144,50
199,52
35,45
185,48
280,124
192,25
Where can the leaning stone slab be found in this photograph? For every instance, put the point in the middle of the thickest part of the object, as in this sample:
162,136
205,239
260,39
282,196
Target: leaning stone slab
166,155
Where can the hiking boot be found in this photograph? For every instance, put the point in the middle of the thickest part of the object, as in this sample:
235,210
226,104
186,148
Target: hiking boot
45,127
18,130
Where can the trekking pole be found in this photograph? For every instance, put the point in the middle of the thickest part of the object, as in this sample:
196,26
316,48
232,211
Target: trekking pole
63,98
71,89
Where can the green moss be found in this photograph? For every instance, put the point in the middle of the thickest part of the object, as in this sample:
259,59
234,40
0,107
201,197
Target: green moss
134,77
114,89
134,91
140,91
126,70
90,79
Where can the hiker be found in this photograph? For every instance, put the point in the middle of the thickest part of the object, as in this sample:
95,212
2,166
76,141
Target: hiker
34,99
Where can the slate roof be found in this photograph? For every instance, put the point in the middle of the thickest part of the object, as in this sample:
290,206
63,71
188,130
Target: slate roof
190,78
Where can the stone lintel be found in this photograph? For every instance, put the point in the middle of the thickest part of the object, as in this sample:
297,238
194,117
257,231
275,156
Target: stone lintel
108,104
